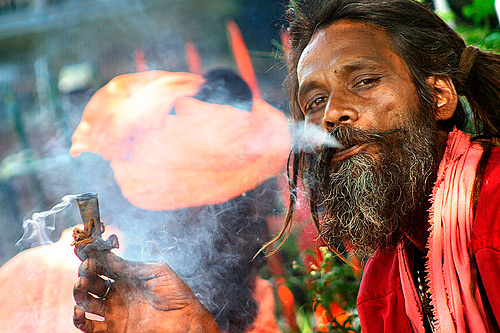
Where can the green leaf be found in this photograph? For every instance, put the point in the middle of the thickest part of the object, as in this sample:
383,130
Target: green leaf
303,321
479,11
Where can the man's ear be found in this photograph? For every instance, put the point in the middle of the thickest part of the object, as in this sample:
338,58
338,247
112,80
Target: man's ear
445,96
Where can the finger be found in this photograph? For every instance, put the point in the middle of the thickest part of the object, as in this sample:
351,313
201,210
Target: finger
116,267
97,285
86,325
89,267
86,301
113,266
109,264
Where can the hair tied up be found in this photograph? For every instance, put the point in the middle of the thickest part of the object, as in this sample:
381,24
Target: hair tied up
467,60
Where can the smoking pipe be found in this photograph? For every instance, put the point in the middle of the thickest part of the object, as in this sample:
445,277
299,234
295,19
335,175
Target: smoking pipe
88,242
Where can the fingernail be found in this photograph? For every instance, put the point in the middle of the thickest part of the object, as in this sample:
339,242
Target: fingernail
85,264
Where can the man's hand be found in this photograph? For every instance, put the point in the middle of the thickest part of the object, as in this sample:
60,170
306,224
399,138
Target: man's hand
142,298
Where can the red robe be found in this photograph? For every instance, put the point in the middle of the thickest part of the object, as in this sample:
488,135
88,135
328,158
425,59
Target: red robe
381,305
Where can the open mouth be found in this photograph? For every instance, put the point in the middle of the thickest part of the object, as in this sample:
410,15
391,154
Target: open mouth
342,154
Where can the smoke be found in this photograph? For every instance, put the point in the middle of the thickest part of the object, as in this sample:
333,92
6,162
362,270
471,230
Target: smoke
211,248
40,225
315,136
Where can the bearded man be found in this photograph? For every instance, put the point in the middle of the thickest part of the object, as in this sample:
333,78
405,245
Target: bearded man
409,188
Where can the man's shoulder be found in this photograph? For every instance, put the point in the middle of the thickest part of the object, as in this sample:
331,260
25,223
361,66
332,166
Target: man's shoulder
491,178
492,171
486,229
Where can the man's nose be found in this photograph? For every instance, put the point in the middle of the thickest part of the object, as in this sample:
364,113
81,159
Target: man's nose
337,114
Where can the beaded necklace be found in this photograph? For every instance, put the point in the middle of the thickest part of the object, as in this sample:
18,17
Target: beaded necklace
423,290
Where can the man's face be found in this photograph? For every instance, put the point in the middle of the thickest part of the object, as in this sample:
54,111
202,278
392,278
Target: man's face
354,85
349,74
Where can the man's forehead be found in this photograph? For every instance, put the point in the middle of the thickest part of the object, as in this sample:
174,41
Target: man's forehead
346,34
347,45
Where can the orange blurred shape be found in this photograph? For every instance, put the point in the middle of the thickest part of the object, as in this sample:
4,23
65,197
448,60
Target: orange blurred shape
323,318
285,41
265,322
200,154
309,245
287,301
193,58
140,60
242,57
37,285
275,264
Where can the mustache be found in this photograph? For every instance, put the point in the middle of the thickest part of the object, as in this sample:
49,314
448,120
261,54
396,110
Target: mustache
350,136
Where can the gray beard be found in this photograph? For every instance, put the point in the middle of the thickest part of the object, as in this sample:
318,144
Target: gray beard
368,203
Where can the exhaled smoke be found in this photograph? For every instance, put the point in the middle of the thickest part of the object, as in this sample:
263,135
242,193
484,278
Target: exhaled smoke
40,225
315,136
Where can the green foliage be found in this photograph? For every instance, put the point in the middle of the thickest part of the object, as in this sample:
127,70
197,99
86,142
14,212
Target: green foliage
479,11
481,33
332,282
322,288
483,37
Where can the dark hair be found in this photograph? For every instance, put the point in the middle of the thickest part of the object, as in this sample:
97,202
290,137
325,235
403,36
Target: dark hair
211,248
427,45
223,86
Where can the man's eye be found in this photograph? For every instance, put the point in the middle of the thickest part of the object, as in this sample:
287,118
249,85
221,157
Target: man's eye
315,104
366,82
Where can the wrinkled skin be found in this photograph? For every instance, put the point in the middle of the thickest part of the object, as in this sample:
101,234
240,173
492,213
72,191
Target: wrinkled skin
144,298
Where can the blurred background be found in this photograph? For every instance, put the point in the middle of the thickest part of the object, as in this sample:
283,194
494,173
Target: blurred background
54,54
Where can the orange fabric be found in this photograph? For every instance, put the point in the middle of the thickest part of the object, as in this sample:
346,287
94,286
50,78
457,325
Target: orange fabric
287,301
455,297
204,154
37,288
265,322
36,291
127,106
